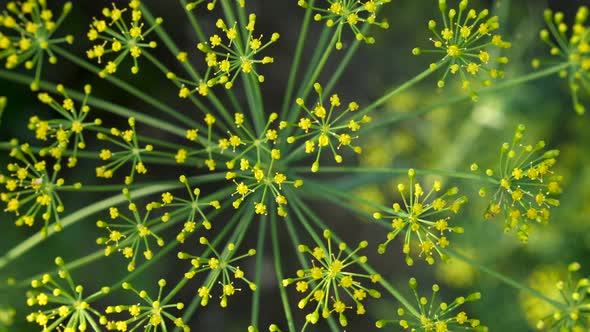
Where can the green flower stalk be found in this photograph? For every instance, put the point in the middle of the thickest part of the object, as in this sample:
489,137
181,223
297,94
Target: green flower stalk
27,31
423,217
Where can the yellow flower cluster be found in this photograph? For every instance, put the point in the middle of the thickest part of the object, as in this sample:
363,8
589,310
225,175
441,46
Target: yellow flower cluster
128,234
439,317
574,50
210,5
64,308
323,128
340,13
333,281
423,217
575,314
32,182
128,141
462,42
233,52
192,207
152,316
527,185
27,31
221,266
120,38
66,130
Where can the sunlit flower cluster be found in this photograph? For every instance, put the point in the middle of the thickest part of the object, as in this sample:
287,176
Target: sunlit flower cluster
67,132
423,218
433,316
527,185
353,14
27,31
573,50
327,127
63,307
31,188
130,234
331,282
462,42
119,37
128,141
222,271
152,316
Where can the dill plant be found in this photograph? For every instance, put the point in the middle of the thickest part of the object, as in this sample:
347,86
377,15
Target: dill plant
237,173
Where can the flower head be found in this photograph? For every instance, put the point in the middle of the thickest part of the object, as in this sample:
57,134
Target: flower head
227,55
575,314
27,31
331,282
32,188
441,317
220,266
129,234
573,50
422,217
462,43
341,13
323,127
210,4
153,315
193,207
63,307
120,37
68,131
127,140
527,185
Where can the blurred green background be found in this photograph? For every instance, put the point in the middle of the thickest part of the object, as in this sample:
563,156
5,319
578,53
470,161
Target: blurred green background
448,138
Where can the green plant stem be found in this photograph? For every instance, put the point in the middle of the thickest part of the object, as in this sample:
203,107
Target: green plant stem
255,315
97,102
279,272
297,58
453,100
397,171
126,87
89,210
394,292
505,279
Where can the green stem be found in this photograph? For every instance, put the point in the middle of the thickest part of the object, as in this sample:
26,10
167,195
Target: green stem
97,102
89,210
453,100
505,279
126,86
279,272
297,58
397,171
395,91
255,315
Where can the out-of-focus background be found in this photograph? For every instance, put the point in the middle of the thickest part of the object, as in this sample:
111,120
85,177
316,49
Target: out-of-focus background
448,138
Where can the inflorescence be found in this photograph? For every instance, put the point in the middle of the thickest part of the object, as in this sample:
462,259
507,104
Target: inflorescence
422,219
462,42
